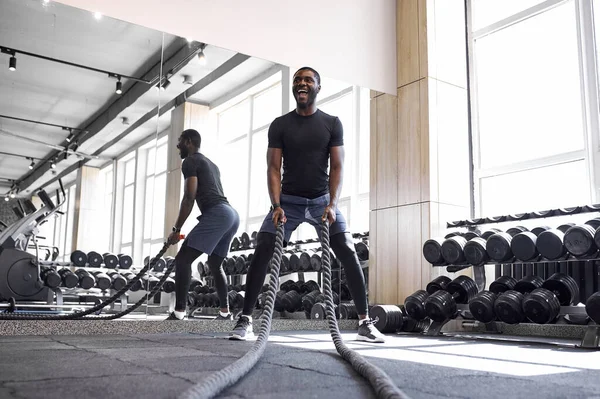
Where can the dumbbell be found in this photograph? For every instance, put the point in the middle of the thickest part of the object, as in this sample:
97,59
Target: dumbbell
94,259
308,286
253,239
441,305
475,249
523,245
550,243
278,304
168,286
508,305
235,244
69,279
79,258
245,241
239,300
453,249
50,277
149,282
391,318
318,311
432,251
290,285
315,261
110,261
348,311
542,305
414,304
136,286
309,300
103,282
482,305
291,301
592,307
125,261
118,282
498,245
580,240
195,282
86,280
362,250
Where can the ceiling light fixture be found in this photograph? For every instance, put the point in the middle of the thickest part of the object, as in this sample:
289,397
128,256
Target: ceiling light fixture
166,84
12,63
189,39
6,198
12,195
32,164
119,86
52,164
125,120
202,57
187,80
98,15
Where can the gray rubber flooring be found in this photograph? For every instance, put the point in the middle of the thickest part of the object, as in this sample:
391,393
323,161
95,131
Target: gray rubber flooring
296,364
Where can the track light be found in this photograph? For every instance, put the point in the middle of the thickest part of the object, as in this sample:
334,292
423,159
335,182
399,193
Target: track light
202,57
189,39
166,84
187,80
6,198
98,15
12,63
52,164
70,136
119,87
31,165
125,120
12,195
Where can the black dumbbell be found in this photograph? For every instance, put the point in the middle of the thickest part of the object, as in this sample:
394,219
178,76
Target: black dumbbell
318,311
94,259
103,282
523,245
110,261
291,301
432,251
309,300
86,280
550,243
149,282
79,258
580,240
50,277
498,246
306,287
475,252
482,305
441,305
244,241
592,307
118,282
362,250
125,261
348,311
508,305
69,279
503,284
542,305
391,318
453,250
414,304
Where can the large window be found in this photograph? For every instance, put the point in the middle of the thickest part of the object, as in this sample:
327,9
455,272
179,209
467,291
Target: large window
128,165
154,203
534,101
105,233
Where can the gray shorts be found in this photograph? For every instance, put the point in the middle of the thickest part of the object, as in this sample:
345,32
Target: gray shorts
299,210
215,230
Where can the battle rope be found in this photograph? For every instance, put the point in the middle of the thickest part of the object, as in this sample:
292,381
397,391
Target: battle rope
80,315
217,382
382,384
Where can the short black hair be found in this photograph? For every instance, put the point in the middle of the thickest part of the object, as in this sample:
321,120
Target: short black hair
317,76
193,136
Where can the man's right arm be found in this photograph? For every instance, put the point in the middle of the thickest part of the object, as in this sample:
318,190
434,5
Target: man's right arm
274,156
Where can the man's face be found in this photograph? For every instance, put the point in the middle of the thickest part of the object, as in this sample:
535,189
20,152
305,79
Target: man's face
305,88
181,145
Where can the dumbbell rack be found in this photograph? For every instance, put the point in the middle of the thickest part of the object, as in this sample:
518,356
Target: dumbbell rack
588,268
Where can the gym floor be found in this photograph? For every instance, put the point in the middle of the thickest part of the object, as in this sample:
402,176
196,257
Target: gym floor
296,364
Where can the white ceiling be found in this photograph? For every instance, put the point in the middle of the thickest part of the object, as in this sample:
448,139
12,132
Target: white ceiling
59,94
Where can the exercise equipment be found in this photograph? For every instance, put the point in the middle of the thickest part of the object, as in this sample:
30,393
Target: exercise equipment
550,243
592,307
498,245
391,319
86,280
94,259
580,240
523,245
441,305
542,305
69,279
78,258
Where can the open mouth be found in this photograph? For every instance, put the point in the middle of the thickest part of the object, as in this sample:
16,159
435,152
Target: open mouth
302,93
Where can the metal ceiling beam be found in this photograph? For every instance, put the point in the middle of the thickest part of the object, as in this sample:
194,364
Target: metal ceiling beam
219,72
110,112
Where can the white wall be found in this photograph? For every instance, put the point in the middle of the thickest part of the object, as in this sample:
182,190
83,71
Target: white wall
350,40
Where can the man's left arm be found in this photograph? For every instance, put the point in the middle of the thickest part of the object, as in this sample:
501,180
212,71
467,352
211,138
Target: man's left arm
187,204
336,169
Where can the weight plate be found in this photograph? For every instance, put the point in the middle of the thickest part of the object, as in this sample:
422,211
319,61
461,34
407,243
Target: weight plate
513,231
79,258
579,240
539,229
440,306
439,283
565,227
94,259
528,283
592,307
564,287
453,250
21,275
488,233
503,284
415,305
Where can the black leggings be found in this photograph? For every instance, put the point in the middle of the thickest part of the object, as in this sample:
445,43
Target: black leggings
183,275
341,244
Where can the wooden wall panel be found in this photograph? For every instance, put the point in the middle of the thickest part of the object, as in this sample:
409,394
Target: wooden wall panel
373,159
409,144
386,182
372,256
387,256
407,38
425,169
408,277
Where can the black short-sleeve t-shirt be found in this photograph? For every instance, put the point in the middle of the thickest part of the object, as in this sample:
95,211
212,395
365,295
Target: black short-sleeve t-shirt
305,142
210,190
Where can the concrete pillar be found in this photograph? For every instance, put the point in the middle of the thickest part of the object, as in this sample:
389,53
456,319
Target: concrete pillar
90,231
419,148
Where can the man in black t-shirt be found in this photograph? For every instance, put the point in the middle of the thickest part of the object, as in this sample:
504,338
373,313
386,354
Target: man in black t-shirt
216,226
307,139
